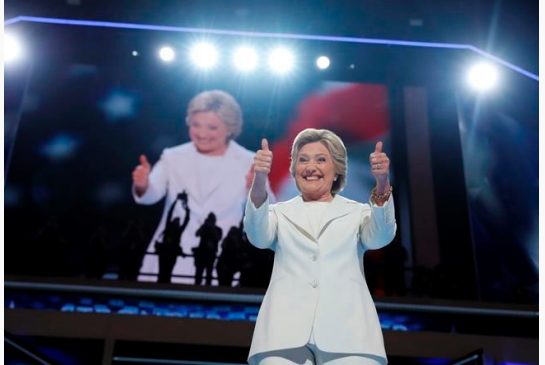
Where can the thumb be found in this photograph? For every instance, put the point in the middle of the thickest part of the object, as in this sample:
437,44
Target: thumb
378,147
264,144
144,161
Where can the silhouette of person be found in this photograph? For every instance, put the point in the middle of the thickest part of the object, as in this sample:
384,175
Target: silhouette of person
205,253
257,268
169,248
233,255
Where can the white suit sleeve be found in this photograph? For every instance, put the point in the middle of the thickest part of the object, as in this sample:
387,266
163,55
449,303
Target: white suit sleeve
378,227
260,224
158,184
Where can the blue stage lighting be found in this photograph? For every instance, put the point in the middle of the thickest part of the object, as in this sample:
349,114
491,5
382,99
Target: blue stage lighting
204,55
281,60
245,58
165,28
482,76
167,54
323,62
13,49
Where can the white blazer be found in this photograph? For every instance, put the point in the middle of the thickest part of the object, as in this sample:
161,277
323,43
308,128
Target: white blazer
318,282
223,192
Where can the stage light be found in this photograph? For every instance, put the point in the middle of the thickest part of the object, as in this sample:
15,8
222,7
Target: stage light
281,60
167,54
13,50
323,62
482,76
134,53
245,58
204,55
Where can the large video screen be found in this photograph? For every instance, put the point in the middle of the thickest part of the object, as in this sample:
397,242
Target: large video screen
84,124
90,104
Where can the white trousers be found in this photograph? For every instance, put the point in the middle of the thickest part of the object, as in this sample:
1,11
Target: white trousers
312,355
304,356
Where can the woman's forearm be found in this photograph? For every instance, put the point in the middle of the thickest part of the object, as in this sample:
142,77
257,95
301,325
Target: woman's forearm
258,191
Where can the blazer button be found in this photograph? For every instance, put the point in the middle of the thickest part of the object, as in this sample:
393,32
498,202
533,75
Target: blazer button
314,283
314,257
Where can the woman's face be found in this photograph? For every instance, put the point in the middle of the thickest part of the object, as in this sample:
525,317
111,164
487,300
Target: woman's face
314,172
209,133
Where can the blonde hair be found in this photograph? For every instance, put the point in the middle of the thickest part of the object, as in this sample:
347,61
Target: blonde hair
334,145
223,104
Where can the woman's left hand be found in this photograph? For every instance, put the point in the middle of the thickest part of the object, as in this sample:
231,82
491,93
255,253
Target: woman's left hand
380,166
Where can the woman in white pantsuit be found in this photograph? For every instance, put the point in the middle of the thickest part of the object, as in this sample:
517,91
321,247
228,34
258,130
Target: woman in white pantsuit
318,309
212,169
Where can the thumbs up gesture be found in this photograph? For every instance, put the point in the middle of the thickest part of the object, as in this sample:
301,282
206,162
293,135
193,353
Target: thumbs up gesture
262,167
380,165
140,175
263,159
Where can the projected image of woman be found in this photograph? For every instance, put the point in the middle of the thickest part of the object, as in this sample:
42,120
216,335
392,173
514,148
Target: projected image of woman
212,169
318,309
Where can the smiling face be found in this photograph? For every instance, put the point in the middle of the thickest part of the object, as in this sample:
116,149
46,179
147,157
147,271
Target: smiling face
209,133
315,172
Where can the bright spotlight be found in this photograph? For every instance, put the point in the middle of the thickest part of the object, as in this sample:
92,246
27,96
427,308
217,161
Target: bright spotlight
323,62
245,58
482,76
167,54
204,55
281,60
13,49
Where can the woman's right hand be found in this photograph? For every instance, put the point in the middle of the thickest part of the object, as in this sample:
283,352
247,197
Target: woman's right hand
140,176
263,159
262,167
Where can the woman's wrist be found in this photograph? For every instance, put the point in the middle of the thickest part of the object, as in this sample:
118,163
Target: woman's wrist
382,184
381,196
140,190
258,198
258,190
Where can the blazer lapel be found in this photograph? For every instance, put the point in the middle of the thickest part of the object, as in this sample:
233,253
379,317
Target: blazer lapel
294,212
339,208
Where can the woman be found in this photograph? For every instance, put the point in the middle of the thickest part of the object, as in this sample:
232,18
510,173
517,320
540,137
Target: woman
212,168
318,309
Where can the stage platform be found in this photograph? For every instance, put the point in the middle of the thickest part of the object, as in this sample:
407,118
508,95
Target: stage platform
111,322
